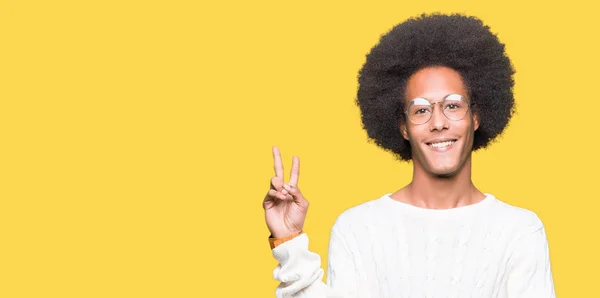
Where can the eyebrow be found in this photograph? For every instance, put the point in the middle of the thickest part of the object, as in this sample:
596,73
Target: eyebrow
443,96
406,105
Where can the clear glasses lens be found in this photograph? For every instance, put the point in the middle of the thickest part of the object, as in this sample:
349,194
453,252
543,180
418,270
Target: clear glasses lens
454,108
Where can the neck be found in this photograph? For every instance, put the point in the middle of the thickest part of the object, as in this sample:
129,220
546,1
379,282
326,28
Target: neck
442,192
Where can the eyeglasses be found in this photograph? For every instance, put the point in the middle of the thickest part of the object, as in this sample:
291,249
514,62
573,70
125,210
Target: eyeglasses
454,107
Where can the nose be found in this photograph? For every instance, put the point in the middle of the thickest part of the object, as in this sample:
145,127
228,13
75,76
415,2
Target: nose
438,120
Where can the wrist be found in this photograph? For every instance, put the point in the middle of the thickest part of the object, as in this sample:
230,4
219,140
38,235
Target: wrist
276,241
284,234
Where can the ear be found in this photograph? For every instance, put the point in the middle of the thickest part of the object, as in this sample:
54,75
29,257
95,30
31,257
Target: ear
475,121
403,130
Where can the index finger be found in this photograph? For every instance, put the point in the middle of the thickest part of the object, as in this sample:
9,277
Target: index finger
277,162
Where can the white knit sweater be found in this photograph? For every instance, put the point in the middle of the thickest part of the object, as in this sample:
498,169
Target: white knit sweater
385,248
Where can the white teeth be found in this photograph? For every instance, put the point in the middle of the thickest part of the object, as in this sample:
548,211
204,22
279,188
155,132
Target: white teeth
441,144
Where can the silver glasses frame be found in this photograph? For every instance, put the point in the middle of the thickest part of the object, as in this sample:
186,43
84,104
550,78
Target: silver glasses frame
433,108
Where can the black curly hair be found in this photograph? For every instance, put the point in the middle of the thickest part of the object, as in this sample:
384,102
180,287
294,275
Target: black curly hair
462,43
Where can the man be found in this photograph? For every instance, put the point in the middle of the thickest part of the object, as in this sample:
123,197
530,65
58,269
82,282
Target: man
434,89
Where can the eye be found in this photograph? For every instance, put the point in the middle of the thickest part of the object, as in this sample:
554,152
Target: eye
452,106
421,111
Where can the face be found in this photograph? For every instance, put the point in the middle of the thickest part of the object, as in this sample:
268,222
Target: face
440,146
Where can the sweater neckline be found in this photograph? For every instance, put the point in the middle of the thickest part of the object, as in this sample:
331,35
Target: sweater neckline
462,210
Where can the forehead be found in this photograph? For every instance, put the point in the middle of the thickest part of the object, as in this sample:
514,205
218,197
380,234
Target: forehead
434,83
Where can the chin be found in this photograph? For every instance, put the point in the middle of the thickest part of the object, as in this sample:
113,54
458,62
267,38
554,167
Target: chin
444,164
440,171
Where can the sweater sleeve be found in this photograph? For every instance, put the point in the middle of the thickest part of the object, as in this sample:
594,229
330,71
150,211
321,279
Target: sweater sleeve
300,273
530,274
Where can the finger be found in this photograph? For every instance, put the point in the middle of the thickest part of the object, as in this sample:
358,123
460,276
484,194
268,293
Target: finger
296,195
295,173
272,199
276,183
276,195
272,193
293,191
277,162
269,197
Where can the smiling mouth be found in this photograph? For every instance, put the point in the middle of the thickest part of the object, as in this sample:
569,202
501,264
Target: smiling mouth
441,145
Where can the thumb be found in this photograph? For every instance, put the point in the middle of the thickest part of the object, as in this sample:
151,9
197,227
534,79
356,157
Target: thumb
294,191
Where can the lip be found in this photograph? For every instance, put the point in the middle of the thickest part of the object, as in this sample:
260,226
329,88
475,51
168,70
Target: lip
439,140
427,143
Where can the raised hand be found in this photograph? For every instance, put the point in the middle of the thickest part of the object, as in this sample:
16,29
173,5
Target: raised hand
285,207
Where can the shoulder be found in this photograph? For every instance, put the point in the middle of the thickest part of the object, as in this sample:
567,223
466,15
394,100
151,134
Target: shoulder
517,218
361,214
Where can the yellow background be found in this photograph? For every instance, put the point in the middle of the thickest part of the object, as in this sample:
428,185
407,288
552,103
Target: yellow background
136,137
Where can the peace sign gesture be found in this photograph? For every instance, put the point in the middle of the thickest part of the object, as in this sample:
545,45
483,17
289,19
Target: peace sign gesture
285,207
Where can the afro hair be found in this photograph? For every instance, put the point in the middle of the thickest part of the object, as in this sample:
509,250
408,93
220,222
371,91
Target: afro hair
460,42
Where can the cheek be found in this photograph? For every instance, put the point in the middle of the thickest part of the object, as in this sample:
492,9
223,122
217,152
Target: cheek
469,133
412,133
